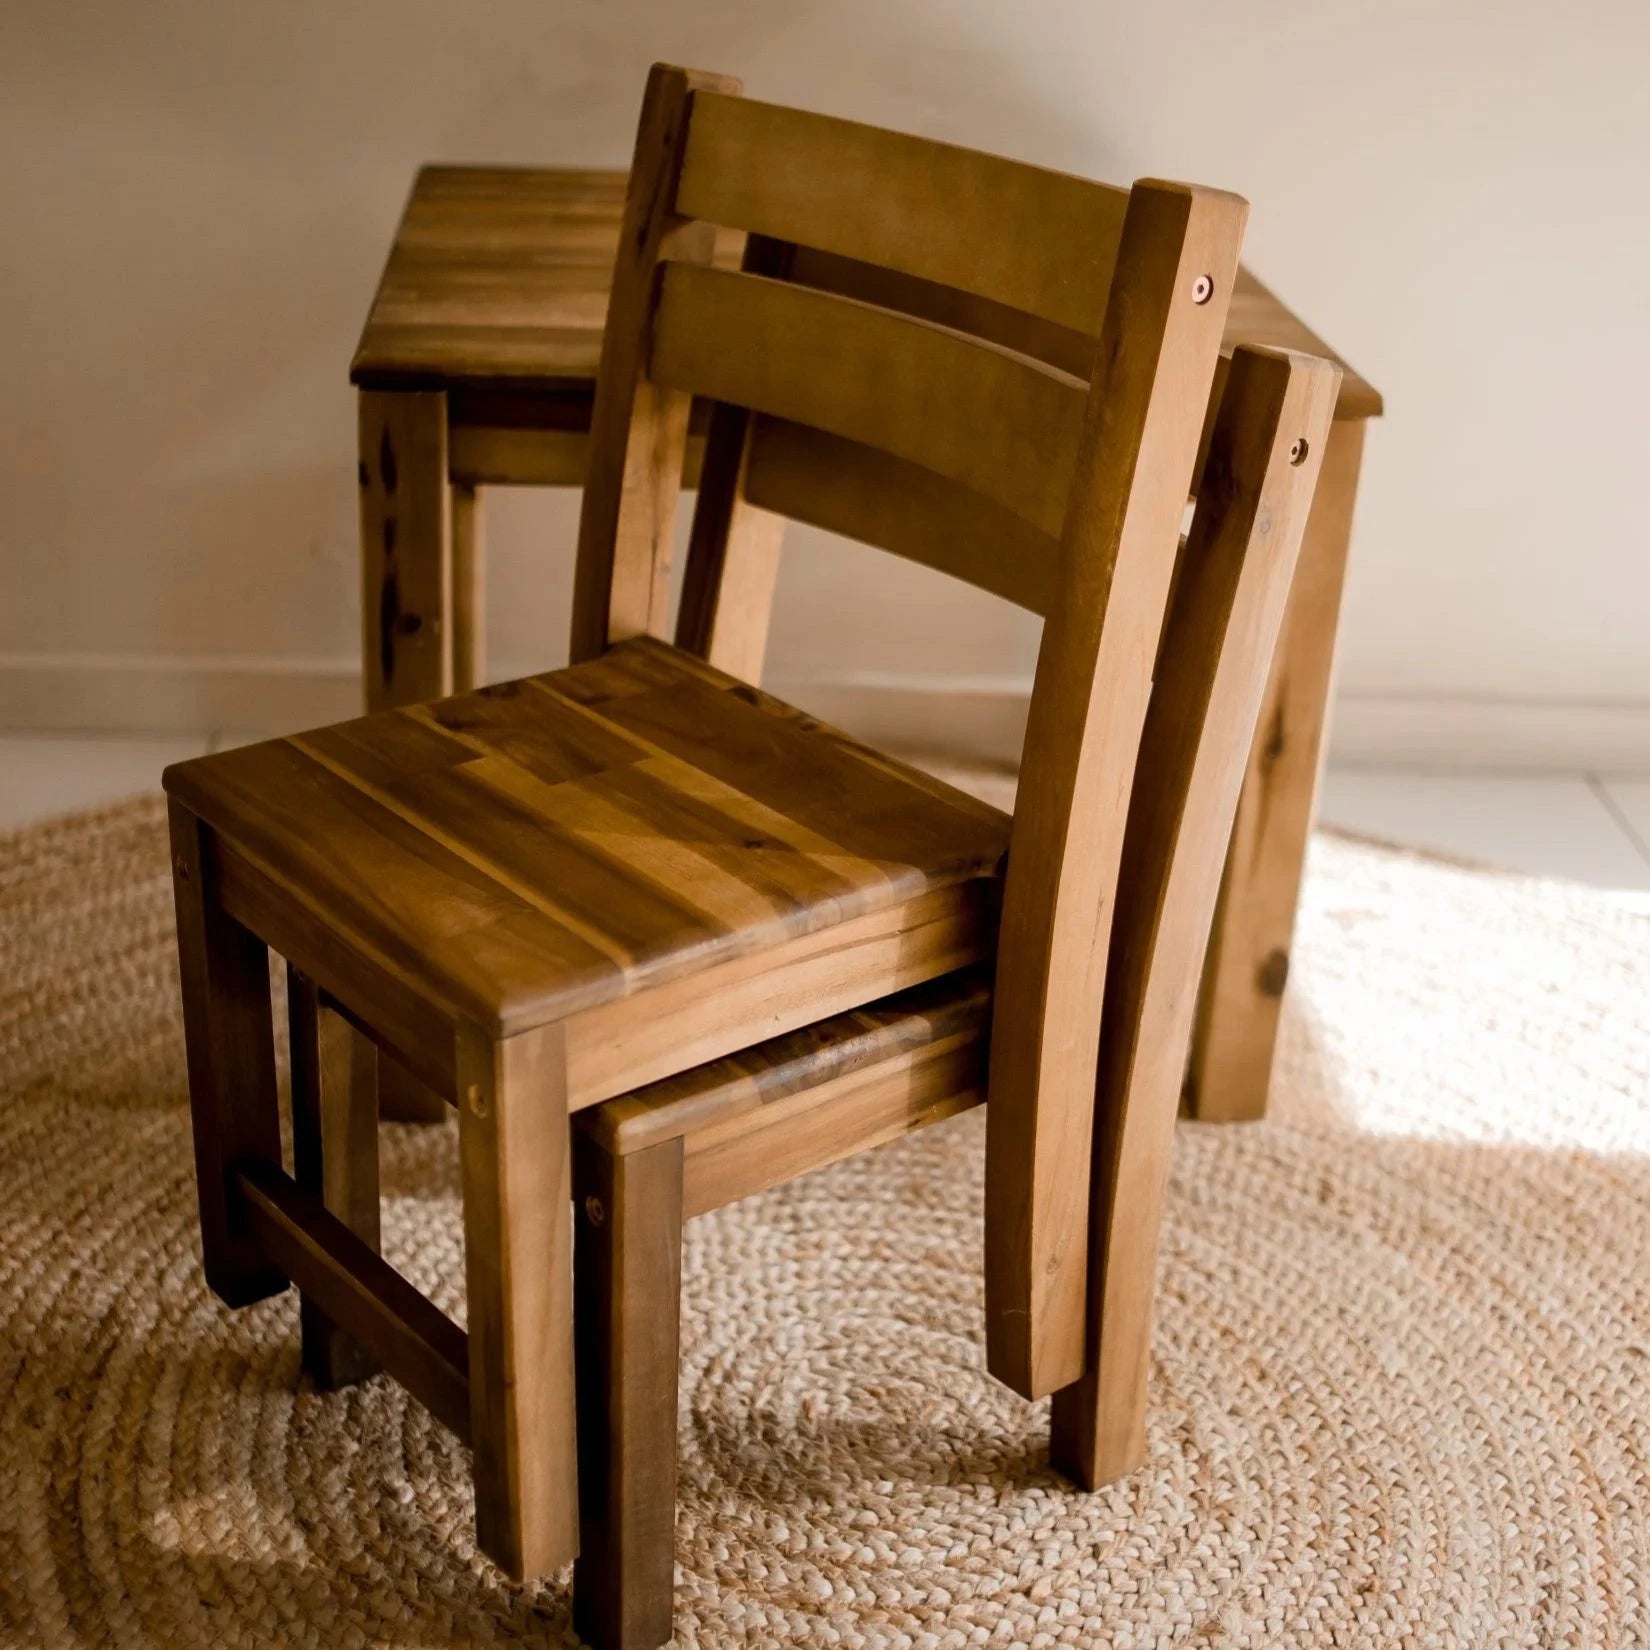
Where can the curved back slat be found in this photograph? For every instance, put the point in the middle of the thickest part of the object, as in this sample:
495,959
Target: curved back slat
864,494
1035,240
996,422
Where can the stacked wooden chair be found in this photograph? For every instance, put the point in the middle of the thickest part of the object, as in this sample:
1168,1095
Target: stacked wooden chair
665,941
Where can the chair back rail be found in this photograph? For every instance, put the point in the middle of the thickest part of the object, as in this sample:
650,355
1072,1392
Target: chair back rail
840,400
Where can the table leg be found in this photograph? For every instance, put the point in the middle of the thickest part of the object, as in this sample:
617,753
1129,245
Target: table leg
1248,959
469,589
408,518
406,547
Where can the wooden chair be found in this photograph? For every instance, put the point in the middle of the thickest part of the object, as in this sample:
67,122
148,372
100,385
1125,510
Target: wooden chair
647,1162
551,894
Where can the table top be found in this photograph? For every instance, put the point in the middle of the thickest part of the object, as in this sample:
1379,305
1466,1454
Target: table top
499,276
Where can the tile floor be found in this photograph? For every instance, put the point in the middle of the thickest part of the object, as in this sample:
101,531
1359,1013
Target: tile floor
1594,828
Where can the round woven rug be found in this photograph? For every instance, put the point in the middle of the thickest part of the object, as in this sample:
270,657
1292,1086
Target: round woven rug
1401,1382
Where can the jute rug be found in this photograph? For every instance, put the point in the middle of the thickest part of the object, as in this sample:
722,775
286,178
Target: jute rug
1401,1379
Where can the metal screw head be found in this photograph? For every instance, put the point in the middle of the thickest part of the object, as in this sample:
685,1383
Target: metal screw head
476,1100
593,1211
1298,452
1203,289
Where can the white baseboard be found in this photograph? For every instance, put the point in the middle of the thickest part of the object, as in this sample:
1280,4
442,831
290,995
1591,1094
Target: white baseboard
1486,731
982,718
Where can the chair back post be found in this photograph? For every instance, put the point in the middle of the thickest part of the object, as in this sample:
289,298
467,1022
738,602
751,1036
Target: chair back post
638,428
1159,343
1225,614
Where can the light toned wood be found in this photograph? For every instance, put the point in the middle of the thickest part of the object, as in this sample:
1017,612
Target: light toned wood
621,582
334,1155
1217,646
733,549
1247,966
228,1034
1034,240
946,1012
375,998
469,625
620,1045
525,853
818,1127
518,1268
406,548
418,1344
1001,424
864,494
628,1268
499,276
1088,705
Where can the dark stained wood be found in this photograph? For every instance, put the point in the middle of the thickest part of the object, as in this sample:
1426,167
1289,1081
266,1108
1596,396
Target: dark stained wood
498,276
522,853
627,1286
229,1034
418,1344
334,1155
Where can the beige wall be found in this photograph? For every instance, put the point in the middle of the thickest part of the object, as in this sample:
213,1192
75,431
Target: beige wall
195,197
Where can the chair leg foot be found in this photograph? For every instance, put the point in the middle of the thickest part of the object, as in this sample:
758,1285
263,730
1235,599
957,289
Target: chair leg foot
627,1286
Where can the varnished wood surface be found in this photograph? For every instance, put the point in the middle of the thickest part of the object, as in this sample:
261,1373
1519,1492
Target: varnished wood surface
499,275
548,845
1217,644
1141,431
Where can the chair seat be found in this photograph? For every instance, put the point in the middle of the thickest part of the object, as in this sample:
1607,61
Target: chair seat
535,848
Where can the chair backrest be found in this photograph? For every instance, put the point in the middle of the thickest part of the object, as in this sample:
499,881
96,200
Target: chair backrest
1225,611
938,428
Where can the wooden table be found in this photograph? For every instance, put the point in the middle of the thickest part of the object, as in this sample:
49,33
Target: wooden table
476,368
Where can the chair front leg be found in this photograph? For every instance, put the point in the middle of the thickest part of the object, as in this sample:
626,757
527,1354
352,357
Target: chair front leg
334,1155
513,1140
627,1284
229,1039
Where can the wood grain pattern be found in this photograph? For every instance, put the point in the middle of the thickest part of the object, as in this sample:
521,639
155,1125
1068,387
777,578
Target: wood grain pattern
1001,424
733,548
1247,967
406,548
334,1155
638,428
1145,414
351,1283
627,1282
1032,239
522,853
1217,648
498,277
518,1272
228,1033
861,493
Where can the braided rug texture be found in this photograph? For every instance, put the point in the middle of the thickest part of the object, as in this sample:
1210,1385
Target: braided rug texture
1401,1381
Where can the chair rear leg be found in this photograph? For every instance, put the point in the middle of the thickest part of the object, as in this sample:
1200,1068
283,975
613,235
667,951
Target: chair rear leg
334,1155
627,1291
229,1037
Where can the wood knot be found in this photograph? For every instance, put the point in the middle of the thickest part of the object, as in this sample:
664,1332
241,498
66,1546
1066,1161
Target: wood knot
1274,973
